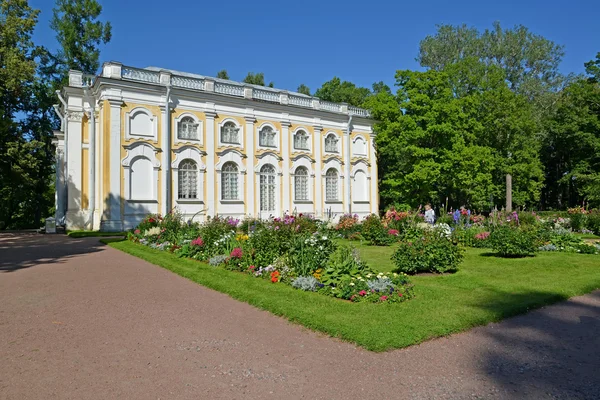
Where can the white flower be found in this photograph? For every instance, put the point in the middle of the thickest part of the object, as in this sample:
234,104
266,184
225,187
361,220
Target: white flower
369,275
351,283
395,274
324,237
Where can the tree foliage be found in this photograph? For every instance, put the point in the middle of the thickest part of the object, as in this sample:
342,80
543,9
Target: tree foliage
451,134
257,79
339,91
303,89
222,74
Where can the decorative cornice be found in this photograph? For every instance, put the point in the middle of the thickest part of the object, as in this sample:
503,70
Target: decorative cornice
76,116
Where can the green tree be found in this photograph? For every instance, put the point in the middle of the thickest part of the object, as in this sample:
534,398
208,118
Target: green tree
303,89
452,134
256,79
339,91
222,74
79,34
571,148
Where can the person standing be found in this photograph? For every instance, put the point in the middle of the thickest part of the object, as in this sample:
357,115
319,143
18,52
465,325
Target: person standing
429,214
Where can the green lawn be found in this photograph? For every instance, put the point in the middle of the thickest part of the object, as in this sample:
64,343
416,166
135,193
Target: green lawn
81,234
587,235
485,289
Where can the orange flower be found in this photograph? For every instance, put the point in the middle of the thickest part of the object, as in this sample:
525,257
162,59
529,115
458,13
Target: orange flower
275,276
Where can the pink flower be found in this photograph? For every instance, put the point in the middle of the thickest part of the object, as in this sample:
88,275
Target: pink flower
362,293
197,242
137,232
399,294
353,296
482,235
383,298
393,232
236,253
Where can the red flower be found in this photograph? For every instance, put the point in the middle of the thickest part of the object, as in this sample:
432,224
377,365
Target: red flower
362,293
137,232
251,267
197,242
236,253
275,276
151,220
393,232
399,294
353,296
383,298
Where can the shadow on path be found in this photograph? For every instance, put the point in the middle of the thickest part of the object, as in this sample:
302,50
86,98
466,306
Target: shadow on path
552,352
26,250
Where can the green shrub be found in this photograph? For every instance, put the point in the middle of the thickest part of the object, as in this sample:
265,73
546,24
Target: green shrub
430,253
344,263
508,241
527,218
309,253
593,222
375,233
578,221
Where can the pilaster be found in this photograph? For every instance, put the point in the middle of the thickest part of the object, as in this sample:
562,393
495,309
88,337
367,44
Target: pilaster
374,178
115,219
210,163
249,129
317,139
346,181
74,178
285,163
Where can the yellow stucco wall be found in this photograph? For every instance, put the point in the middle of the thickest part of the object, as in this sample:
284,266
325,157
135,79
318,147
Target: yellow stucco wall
85,179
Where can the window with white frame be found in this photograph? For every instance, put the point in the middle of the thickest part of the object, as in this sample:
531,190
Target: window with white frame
301,183
331,185
331,143
229,133
266,137
267,188
229,181
187,129
301,141
188,180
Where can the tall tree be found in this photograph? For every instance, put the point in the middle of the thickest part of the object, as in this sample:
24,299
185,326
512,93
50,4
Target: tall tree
530,62
256,79
571,149
303,89
436,140
79,34
222,74
340,91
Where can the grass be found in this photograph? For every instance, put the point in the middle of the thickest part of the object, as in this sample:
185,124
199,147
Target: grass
82,234
485,289
586,235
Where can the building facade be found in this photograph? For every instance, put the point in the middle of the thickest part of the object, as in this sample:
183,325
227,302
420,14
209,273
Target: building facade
138,141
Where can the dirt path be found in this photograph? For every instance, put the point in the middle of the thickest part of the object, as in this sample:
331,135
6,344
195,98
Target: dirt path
79,320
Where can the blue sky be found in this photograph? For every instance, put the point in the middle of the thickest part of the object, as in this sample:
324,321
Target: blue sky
311,41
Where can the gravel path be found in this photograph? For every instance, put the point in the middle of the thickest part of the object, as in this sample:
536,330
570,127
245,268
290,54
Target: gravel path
80,320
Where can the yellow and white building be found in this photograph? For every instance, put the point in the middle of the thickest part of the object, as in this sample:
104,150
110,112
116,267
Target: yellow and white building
137,141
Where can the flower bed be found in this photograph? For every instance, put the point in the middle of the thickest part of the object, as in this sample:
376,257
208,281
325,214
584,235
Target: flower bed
294,250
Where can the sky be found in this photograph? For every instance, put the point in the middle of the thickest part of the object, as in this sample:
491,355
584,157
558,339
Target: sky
312,41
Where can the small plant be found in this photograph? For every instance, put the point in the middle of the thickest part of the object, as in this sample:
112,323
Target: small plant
376,233
217,260
307,283
345,262
510,241
430,253
380,284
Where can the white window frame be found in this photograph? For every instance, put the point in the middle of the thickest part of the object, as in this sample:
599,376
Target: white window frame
361,155
140,150
308,140
335,164
236,157
306,162
199,128
277,133
240,129
189,153
363,167
337,143
129,115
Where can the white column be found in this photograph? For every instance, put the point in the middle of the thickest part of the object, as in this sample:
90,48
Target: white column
60,176
164,144
74,178
374,189
346,144
210,163
285,165
318,178
249,130
115,221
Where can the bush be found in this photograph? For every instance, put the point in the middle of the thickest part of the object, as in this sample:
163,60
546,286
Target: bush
344,263
310,253
430,253
593,222
307,283
509,241
374,231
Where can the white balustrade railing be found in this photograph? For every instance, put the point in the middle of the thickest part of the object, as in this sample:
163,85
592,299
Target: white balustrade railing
88,80
141,75
232,90
329,106
300,101
358,111
265,95
188,83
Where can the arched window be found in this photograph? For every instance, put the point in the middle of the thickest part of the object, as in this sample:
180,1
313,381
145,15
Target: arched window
267,188
360,188
187,129
141,186
229,133
229,183
331,185
266,137
301,141
301,183
188,180
331,143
